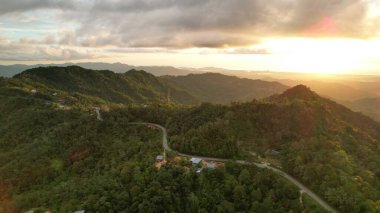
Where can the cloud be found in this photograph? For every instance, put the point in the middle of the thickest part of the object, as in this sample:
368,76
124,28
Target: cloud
179,24
246,51
28,5
222,23
33,50
334,18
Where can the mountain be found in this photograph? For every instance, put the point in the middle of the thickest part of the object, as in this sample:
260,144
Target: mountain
121,68
66,160
368,106
125,88
140,87
218,88
11,70
63,159
325,145
340,91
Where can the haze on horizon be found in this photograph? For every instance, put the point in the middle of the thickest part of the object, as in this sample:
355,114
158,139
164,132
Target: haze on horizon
324,36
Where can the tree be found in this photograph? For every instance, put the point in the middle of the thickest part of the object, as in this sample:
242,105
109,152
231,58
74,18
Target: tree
193,204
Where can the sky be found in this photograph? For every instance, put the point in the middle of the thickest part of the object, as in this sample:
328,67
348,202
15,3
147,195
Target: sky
313,36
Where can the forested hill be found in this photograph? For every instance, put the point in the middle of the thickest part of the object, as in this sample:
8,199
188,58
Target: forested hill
66,160
130,87
328,147
218,88
140,87
331,110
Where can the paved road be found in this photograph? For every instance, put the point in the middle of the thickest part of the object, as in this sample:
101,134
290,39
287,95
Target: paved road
302,188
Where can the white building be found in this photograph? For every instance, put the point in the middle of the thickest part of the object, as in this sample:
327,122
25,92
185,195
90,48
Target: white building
195,161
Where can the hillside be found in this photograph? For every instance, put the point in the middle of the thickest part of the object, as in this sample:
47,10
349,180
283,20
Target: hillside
328,147
66,160
104,87
133,87
11,70
218,88
337,90
368,106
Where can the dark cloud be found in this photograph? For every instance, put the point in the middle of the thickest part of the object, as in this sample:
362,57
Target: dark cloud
28,5
210,23
201,23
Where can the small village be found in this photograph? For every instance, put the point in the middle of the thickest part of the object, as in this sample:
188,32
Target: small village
187,163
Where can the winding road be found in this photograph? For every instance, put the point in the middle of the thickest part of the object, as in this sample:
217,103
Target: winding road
302,188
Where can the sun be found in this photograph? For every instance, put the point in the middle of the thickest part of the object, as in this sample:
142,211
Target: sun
320,56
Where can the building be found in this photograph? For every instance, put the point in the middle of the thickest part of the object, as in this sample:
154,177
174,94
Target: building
80,211
34,91
210,166
159,158
195,161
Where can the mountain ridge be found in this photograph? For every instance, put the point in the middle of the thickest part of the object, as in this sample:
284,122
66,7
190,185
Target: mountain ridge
143,87
223,88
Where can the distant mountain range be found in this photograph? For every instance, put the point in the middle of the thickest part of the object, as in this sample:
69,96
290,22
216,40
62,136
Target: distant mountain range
11,70
219,88
140,87
368,106
353,91
337,87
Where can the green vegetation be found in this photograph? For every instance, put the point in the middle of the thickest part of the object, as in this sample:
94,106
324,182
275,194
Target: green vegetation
63,159
326,146
311,206
81,86
66,160
100,87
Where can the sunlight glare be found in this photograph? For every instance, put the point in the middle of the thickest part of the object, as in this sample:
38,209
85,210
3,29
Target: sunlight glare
326,56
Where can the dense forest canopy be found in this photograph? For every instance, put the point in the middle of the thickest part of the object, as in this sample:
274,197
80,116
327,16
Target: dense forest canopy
56,155
66,160
326,146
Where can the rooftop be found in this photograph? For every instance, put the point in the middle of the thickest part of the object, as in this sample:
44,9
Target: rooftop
195,160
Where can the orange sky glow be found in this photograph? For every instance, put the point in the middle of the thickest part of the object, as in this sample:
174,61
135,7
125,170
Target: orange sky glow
327,36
